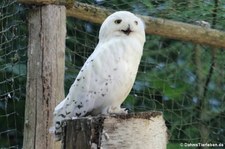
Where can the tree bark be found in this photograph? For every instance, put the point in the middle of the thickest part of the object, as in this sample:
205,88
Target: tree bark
132,131
45,74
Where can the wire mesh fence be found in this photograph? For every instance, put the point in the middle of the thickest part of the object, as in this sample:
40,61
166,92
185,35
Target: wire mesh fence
13,42
184,80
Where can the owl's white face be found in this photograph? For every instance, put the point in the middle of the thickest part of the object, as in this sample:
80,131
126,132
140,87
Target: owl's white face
122,24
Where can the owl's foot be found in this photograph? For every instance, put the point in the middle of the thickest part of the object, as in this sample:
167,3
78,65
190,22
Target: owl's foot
115,110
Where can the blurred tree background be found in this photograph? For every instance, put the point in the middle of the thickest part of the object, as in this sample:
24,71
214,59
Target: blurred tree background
184,80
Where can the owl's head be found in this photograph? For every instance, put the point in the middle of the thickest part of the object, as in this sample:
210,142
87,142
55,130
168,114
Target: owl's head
122,24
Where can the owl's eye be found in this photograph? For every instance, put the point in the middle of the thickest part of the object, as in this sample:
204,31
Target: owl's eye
136,22
118,21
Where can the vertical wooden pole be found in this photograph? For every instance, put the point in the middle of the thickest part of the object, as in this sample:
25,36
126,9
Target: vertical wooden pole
45,73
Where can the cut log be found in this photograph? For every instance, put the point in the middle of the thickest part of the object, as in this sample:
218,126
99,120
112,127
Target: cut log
131,131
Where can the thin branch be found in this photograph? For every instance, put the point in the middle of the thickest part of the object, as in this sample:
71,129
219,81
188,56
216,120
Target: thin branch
213,63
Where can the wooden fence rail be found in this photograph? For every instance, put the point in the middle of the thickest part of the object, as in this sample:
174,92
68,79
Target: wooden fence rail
157,26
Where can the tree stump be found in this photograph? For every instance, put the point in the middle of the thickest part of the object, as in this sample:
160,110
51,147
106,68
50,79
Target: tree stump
146,130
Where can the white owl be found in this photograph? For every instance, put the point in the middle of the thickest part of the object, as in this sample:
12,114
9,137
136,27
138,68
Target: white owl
109,73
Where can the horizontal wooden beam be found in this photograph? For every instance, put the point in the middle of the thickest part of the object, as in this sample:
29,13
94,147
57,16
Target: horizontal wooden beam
157,26
88,12
184,31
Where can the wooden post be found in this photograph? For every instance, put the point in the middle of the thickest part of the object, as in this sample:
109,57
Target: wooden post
45,74
132,131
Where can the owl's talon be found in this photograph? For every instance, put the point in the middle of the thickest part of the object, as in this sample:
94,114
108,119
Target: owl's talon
116,110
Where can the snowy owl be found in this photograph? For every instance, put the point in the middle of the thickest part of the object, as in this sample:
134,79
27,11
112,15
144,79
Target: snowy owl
108,75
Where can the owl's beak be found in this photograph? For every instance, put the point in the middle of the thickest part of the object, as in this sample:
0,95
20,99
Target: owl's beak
127,31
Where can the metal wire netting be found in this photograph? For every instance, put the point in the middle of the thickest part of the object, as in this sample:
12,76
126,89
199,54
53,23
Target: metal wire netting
13,42
184,80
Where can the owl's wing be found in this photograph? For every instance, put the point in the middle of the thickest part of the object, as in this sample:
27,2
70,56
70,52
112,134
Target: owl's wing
81,97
